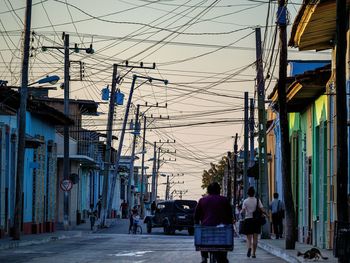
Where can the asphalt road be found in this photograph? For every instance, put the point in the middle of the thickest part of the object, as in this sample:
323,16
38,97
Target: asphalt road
115,245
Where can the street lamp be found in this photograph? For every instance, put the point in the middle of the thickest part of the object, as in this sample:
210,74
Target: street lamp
48,79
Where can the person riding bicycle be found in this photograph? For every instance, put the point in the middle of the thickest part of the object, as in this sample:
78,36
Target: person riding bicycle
213,210
134,213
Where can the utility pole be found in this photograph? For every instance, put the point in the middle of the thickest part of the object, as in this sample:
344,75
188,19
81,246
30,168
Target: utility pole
246,149
167,189
143,165
263,179
341,119
229,176
153,186
22,124
342,143
131,180
235,153
107,163
285,147
251,131
66,163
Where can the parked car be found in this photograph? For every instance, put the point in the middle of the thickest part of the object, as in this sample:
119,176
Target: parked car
173,215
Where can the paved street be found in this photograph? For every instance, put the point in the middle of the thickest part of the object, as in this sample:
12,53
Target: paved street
114,245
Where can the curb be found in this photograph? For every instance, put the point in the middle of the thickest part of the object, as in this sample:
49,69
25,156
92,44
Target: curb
21,243
278,252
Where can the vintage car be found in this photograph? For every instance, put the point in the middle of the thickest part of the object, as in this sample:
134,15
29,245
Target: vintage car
173,215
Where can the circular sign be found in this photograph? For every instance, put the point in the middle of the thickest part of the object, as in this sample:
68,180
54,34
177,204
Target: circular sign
66,185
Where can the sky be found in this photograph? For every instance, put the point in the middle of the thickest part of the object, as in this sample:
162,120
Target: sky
204,48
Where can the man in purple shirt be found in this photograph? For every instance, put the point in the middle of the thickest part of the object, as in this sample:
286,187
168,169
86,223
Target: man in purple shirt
213,210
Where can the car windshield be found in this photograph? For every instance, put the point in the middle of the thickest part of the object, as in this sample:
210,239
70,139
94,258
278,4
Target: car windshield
185,206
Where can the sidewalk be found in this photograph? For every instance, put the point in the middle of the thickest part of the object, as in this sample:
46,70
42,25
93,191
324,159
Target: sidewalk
277,247
34,239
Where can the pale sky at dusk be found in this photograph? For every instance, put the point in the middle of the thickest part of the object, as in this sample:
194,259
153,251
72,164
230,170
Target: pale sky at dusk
205,49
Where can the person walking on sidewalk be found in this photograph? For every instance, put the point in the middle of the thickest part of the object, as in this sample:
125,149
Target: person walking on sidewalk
213,210
124,207
251,228
277,211
92,216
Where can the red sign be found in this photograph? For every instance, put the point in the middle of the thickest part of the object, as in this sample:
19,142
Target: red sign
66,185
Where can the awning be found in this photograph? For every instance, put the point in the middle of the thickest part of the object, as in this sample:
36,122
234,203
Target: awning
315,25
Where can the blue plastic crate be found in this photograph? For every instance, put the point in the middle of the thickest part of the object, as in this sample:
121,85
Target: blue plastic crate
213,236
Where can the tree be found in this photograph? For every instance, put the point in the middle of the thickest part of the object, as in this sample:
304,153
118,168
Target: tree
215,173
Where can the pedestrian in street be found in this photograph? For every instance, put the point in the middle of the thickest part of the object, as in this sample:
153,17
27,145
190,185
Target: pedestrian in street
99,206
153,207
277,211
213,210
92,216
124,208
251,228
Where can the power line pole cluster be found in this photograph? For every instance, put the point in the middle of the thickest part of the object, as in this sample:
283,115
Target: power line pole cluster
121,140
156,166
169,184
142,180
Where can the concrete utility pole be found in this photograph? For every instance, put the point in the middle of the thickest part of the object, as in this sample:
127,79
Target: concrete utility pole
285,147
143,165
22,124
66,161
235,153
263,179
167,189
251,131
108,152
121,140
153,185
229,176
131,180
341,119
246,148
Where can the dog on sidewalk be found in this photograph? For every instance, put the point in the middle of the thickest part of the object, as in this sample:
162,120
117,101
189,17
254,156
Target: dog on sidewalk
313,253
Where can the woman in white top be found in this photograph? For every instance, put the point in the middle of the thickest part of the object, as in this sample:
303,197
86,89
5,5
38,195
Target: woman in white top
252,229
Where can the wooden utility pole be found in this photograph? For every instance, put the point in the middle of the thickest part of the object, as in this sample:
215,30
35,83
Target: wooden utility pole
283,115
22,125
341,119
263,179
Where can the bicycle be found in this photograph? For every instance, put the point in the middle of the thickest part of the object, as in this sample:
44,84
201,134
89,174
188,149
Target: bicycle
137,228
213,239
